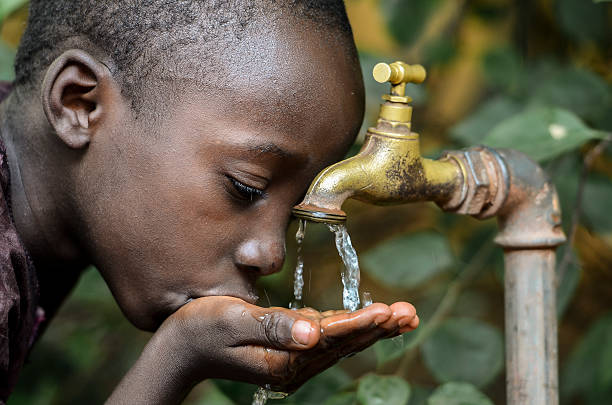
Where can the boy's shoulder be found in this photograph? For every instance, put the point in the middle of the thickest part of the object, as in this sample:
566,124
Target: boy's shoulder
18,286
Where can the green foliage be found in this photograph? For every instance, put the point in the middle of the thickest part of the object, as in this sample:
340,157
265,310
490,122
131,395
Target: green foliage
408,260
503,68
314,392
588,370
580,91
343,398
458,394
9,6
582,20
597,199
383,390
391,349
475,128
464,349
406,19
542,132
568,279
7,58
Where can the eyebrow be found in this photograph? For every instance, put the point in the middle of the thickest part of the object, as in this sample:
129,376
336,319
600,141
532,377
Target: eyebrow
269,149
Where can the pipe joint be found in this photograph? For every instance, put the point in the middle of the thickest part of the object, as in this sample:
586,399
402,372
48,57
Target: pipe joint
485,182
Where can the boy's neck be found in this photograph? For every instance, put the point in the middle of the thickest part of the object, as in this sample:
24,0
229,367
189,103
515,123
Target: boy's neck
34,187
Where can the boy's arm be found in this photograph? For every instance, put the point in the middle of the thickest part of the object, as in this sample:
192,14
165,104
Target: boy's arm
224,337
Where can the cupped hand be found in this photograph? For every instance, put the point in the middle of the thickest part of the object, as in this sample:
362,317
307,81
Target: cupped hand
225,337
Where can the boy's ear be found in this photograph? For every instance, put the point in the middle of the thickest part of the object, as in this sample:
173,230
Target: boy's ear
73,96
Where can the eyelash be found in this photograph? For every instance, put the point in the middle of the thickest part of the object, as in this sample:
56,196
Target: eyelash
246,192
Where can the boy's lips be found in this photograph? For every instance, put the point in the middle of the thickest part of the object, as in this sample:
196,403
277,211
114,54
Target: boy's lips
246,294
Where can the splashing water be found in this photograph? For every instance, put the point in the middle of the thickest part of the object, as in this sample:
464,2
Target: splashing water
298,277
350,274
262,395
366,299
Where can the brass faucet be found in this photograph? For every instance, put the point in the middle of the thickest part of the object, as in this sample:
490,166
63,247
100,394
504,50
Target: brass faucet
389,168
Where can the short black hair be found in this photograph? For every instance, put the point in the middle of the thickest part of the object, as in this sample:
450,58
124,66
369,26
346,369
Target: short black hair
143,37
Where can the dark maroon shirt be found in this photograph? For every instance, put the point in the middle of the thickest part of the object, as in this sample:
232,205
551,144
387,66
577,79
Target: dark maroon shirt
19,315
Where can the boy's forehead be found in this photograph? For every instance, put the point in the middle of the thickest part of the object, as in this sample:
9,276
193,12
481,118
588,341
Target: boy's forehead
285,83
292,61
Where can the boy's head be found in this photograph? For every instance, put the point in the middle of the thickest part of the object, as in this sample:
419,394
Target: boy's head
179,134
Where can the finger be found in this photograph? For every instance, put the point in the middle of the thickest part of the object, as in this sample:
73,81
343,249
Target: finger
260,365
281,328
348,323
310,313
333,312
410,326
312,362
402,314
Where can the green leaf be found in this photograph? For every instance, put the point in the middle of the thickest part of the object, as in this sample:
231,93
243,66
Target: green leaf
7,58
419,395
582,20
578,90
503,68
408,260
344,398
390,349
440,52
565,172
406,19
463,349
596,203
315,391
214,396
475,128
542,132
587,370
383,390
568,281
9,6
454,393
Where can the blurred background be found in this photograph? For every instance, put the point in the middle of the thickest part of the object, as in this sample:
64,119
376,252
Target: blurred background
500,72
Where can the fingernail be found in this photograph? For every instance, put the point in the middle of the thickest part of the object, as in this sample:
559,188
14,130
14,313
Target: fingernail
300,332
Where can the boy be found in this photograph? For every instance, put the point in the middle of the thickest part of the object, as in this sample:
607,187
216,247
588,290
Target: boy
165,142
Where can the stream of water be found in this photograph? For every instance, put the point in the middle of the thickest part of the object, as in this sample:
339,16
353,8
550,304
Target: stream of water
350,273
298,276
350,282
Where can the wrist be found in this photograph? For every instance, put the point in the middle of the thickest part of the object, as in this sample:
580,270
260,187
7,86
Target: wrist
169,347
161,375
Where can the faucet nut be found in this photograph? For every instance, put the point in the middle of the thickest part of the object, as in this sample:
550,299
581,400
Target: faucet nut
485,179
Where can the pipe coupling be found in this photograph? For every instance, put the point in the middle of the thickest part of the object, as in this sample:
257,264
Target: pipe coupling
485,182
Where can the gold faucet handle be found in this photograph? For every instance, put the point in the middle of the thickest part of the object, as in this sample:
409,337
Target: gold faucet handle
398,74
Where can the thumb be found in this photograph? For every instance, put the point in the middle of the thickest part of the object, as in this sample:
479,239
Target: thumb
282,328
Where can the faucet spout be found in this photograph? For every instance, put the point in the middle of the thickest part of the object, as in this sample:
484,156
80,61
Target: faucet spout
388,170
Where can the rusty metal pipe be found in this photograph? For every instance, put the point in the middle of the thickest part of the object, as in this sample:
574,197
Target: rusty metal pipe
531,327
530,230
478,181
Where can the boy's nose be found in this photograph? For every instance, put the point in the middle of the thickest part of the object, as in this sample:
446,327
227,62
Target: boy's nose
265,257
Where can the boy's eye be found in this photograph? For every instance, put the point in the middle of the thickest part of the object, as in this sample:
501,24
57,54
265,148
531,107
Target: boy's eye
244,192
